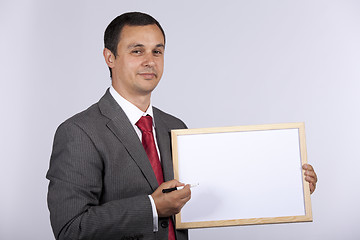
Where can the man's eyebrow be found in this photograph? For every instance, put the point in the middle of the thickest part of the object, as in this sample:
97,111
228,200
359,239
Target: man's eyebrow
135,45
160,45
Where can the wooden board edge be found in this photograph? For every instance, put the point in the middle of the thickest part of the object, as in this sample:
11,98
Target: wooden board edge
237,128
239,222
303,157
175,154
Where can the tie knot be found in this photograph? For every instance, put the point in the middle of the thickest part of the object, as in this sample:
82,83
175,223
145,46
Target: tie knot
145,123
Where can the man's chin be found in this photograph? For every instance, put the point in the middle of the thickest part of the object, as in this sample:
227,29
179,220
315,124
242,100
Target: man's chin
146,90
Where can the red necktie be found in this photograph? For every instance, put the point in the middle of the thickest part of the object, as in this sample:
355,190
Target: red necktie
145,124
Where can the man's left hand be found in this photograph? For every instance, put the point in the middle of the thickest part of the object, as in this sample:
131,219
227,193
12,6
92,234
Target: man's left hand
310,176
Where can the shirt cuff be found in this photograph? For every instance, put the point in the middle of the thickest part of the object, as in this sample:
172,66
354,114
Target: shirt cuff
155,215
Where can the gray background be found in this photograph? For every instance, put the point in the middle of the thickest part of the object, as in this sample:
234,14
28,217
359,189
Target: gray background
227,63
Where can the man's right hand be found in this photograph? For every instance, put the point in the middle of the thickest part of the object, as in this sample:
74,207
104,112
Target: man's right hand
168,204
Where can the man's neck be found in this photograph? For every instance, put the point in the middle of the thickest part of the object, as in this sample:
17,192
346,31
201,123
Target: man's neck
140,101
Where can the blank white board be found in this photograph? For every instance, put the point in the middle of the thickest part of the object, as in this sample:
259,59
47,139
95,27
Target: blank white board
246,175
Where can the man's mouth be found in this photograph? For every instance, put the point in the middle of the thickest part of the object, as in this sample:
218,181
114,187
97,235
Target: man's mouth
148,75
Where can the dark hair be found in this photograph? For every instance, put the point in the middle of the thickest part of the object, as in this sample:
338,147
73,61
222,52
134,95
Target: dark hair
113,30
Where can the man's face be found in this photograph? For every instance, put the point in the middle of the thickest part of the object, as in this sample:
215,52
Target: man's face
138,66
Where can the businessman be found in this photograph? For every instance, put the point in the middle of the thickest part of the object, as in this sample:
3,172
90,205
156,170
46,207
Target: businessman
110,162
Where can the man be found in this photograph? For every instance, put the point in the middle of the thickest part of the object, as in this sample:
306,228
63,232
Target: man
110,162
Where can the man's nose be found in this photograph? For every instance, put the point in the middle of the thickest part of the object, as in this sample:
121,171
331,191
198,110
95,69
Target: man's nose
149,60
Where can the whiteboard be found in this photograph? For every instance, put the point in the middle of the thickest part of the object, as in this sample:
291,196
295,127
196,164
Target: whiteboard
246,175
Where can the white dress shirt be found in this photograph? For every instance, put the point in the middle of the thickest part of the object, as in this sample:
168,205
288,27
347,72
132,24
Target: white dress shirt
134,114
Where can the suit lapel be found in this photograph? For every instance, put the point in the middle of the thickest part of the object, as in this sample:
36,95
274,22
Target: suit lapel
163,140
163,137
120,125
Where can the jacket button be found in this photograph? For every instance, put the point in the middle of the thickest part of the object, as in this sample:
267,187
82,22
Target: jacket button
164,224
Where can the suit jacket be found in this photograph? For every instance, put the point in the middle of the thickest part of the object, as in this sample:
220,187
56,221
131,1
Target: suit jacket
100,176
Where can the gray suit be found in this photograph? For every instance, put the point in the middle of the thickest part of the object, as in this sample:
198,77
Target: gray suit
100,176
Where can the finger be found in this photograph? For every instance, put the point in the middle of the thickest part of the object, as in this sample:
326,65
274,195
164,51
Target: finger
312,188
307,167
310,180
312,185
183,193
185,199
179,184
176,183
170,184
309,171
311,175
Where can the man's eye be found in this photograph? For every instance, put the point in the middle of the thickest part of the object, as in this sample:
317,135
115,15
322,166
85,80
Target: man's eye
136,51
157,52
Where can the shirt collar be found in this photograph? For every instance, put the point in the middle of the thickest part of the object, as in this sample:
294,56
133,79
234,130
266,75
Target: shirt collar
131,111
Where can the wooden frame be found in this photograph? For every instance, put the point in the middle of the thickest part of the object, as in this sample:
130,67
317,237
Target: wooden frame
246,175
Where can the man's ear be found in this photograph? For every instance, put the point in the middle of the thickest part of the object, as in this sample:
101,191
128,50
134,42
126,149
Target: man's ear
109,57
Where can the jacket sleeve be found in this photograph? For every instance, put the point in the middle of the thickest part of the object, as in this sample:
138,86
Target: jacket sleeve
75,189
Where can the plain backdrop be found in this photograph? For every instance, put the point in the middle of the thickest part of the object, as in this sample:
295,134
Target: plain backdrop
227,63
